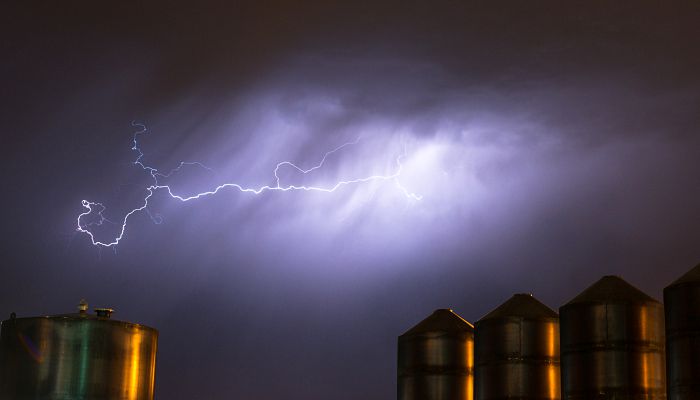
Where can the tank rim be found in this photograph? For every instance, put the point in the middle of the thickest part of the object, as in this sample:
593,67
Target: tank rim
496,320
78,318
651,302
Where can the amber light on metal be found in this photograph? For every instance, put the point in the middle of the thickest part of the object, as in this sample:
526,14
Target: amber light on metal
78,356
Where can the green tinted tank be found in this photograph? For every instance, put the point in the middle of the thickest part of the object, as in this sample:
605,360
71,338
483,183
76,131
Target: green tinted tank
77,357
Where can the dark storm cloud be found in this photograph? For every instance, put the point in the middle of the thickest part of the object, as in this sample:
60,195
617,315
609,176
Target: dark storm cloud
552,144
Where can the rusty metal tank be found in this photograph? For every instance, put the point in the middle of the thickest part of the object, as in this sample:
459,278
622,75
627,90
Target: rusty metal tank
436,359
612,344
516,352
77,356
682,305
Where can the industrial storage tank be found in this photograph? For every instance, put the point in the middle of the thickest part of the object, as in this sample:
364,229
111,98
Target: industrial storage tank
79,356
682,304
517,351
436,359
612,344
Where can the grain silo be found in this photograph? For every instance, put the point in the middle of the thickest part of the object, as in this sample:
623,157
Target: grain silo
612,344
517,352
436,359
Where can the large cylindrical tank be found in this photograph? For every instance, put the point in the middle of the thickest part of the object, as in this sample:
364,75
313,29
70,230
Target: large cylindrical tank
516,352
436,359
682,304
612,344
78,356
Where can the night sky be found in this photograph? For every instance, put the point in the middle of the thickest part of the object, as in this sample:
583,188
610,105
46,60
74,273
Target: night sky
551,145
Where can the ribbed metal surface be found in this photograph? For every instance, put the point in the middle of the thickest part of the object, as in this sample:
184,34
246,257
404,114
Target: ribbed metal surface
517,352
682,305
76,357
436,359
612,344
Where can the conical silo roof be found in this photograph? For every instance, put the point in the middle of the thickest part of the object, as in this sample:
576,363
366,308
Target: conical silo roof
441,320
691,276
522,305
611,289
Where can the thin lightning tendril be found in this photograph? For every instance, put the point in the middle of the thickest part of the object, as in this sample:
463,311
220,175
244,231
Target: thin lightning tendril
99,208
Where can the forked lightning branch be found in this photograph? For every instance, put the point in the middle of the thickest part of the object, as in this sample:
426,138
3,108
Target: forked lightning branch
96,209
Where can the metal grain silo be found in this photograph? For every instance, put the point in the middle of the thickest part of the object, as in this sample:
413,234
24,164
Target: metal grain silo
436,359
682,304
78,357
612,344
516,352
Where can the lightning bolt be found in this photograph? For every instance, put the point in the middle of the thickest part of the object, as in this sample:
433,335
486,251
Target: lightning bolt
156,176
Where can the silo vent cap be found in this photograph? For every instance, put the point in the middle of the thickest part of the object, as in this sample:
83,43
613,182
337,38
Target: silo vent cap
83,306
104,312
